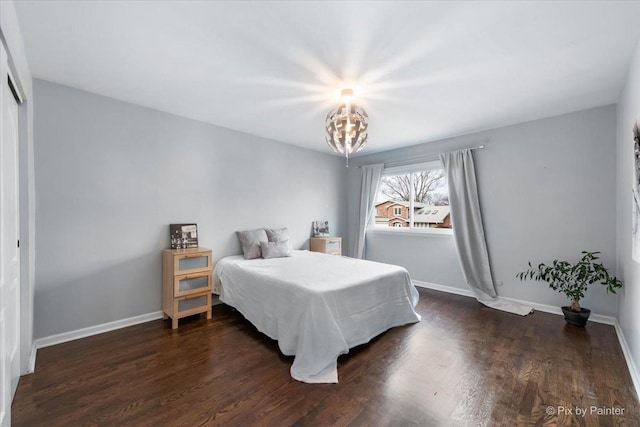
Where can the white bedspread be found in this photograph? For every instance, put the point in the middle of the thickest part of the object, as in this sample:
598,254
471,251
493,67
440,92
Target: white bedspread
318,306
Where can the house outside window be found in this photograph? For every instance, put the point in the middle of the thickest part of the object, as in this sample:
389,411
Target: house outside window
413,197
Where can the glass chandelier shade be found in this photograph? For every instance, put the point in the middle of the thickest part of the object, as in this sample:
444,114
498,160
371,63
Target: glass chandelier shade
347,126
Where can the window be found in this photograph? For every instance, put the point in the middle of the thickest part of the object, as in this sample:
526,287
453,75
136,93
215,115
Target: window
421,190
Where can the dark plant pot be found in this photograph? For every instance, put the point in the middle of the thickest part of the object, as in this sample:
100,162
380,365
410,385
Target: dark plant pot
574,318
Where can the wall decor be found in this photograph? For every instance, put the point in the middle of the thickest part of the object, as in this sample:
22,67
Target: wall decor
320,228
183,236
635,219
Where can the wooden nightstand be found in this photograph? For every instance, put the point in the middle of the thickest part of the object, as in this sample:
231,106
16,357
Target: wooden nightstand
186,283
327,245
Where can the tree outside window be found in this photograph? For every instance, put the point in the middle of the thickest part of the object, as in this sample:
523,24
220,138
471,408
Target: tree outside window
418,193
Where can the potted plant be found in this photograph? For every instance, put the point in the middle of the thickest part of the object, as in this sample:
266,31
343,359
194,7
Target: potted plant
573,280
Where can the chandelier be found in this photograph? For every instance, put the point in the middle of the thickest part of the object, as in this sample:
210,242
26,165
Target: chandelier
347,126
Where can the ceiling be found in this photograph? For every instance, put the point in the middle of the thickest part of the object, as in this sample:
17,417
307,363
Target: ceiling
423,70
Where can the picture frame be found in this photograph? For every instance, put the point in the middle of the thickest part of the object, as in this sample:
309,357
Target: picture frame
635,190
636,156
320,228
183,236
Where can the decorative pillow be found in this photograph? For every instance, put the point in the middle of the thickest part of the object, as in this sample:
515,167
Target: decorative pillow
250,242
275,249
279,235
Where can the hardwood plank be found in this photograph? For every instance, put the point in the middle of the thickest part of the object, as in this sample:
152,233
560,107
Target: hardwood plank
464,364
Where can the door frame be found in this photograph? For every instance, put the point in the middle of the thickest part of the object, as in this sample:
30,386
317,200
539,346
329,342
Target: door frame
10,344
12,41
21,79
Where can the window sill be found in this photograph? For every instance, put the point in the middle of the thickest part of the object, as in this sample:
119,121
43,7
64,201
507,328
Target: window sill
401,231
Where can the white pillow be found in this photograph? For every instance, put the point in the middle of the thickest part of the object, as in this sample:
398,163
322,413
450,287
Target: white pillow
250,242
275,249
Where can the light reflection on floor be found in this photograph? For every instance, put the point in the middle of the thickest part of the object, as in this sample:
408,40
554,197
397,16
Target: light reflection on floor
447,388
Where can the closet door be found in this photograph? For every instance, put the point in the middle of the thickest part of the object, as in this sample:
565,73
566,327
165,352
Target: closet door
9,251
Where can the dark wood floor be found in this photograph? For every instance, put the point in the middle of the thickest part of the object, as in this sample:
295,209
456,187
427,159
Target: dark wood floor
463,365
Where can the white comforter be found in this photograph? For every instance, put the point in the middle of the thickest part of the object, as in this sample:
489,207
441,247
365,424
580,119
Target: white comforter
317,306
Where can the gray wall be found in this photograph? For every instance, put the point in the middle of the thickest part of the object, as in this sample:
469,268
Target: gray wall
112,176
546,192
429,258
629,270
12,38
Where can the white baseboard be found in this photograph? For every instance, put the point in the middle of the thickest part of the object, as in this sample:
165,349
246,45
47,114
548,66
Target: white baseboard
444,288
32,359
94,330
633,370
594,317
597,318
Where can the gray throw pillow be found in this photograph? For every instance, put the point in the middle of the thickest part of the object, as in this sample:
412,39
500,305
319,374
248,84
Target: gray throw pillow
250,242
275,249
279,235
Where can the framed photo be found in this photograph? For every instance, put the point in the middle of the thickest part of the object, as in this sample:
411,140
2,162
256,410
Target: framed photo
320,228
183,236
635,249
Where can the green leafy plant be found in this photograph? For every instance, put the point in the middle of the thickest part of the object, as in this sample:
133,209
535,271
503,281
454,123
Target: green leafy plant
573,279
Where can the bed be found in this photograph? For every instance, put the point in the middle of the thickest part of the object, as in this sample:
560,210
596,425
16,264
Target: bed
317,306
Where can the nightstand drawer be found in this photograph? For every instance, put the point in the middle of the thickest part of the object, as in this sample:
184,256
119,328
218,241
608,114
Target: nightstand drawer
327,245
192,263
194,283
333,246
194,304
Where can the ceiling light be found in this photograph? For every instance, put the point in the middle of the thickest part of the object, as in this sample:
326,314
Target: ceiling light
347,126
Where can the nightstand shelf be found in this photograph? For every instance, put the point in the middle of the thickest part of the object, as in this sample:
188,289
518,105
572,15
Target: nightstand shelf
327,245
186,283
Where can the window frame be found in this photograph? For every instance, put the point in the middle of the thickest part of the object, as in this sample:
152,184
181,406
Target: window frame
412,229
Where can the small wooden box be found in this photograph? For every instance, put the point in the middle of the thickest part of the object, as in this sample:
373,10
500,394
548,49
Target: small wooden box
186,283
327,245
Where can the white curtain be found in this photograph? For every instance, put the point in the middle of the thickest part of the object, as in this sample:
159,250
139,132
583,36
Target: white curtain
371,176
469,232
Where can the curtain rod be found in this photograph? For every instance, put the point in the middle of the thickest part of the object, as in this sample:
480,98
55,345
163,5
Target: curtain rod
422,158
